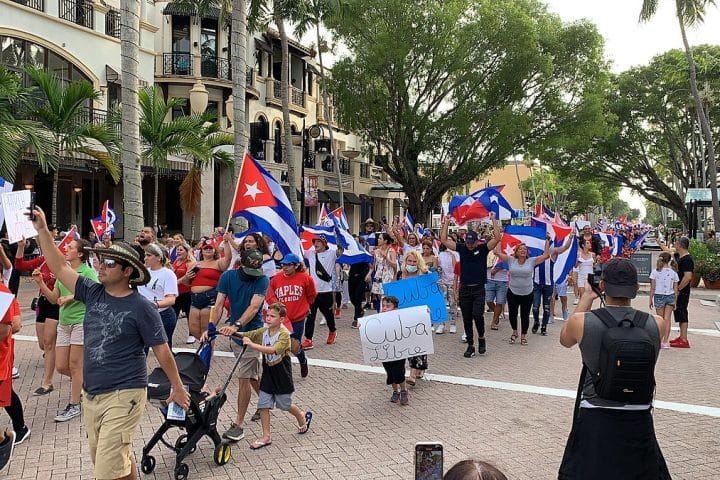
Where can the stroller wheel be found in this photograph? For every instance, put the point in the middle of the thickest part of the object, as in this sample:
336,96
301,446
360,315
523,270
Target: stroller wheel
147,464
181,471
181,442
222,453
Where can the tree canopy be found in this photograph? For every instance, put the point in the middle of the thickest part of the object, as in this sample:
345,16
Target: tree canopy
445,91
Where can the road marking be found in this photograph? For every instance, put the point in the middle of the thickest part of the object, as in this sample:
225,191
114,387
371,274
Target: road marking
467,381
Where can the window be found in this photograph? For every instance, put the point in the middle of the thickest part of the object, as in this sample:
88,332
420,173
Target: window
180,34
208,47
180,111
12,53
310,83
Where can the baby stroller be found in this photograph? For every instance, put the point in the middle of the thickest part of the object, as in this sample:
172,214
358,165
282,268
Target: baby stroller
201,417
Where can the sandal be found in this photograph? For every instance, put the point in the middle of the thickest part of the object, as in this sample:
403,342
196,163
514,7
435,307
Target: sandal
308,421
523,341
513,337
494,326
258,444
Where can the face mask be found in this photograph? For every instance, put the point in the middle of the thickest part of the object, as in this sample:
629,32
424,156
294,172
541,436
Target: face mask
411,268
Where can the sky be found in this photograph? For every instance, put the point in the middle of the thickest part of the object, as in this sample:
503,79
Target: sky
629,43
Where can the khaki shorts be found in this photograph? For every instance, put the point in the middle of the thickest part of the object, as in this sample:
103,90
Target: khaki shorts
70,335
249,366
110,421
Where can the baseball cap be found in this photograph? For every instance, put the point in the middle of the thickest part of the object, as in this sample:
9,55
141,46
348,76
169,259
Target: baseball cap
252,261
620,277
471,236
322,238
290,258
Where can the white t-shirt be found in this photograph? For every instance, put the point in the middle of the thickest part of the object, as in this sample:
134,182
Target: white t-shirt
327,259
162,282
664,280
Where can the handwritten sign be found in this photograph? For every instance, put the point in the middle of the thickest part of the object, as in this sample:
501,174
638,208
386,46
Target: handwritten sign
15,205
396,335
422,290
5,186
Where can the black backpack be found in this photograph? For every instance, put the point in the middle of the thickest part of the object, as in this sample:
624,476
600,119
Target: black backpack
627,360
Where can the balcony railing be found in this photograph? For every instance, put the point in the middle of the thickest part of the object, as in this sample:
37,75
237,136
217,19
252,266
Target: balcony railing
215,67
38,5
345,166
79,12
177,64
112,23
297,96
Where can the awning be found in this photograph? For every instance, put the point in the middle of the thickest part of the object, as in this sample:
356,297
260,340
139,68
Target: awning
263,45
323,197
351,198
389,186
399,202
189,10
111,74
287,192
334,196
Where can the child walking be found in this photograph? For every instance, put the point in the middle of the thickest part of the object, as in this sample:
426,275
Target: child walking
395,369
276,382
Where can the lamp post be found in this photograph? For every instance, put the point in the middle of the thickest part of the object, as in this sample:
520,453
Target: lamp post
313,131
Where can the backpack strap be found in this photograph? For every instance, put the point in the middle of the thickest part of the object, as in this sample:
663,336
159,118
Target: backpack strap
640,319
605,317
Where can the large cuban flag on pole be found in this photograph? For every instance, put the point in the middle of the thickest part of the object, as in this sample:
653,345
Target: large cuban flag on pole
260,199
565,261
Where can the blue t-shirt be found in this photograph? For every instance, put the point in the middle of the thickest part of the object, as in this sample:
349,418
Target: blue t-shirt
117,329
240,288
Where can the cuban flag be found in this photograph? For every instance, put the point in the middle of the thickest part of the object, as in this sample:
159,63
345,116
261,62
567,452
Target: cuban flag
108,214
408,223
617,248
67,239
261,201
5,186
498,188
638,241
309,233
556,231
514,235
340,218
466,208
493,201
100,227
606,238
325,218
352,250
565,261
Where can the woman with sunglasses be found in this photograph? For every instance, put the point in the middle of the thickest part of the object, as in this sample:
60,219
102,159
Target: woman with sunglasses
203,279
162,289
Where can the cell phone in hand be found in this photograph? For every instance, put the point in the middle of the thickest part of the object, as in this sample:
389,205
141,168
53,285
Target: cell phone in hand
428,461
195,269
31,215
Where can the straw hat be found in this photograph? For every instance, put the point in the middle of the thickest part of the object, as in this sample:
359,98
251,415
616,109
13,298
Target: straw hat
126,253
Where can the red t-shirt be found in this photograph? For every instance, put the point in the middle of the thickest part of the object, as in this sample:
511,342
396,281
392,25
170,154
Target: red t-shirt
297,292
6,345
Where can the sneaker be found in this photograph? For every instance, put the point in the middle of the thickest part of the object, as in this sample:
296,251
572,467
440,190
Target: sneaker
681,343
552,318
481,346
331,338
354,324
543,330
453,329
307,344
304,370
395,398
190,340
470,352
15,373
665,345
22,435
71,411
566,315
463,339
338,313
576,301
404,397
323,321
535,327
440,329
256,416
6,449
43,391
234,433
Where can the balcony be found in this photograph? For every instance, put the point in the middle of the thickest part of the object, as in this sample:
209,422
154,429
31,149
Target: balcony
38,5
298,98
112,23
215,67
364,170
79,12
177,64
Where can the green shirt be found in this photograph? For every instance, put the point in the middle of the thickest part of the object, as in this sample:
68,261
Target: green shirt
73,312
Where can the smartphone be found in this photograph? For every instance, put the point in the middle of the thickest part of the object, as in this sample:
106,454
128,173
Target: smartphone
195,269
31,215
428,461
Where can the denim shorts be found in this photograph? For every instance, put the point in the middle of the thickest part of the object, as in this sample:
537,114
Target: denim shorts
203,300
496,291
270,400
659,301
561,289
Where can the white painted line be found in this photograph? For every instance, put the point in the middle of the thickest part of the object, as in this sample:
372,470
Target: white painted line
708,332
467,381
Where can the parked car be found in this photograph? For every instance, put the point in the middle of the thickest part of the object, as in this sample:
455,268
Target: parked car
651,242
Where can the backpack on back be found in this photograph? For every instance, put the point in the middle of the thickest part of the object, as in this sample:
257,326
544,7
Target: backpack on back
626,372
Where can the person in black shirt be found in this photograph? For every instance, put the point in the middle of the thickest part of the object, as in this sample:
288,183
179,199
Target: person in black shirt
686,266
473,276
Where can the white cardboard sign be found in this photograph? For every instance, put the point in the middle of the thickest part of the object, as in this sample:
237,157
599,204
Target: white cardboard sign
396,335
15,205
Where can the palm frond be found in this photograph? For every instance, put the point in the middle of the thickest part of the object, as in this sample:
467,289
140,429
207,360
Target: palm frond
648,10
191,191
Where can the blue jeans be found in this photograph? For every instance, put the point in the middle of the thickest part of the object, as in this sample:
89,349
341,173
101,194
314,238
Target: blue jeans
544,293
297,334
169,320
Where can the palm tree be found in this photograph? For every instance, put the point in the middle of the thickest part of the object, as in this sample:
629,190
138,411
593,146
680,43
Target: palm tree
131,175
690,13
64,113
313,13
162,138
17,134
191,186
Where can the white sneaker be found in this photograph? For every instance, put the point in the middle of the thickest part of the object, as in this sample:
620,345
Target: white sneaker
552,318
70,412
323,321
440,329
576,301
463,339
190,339
15,372
453,329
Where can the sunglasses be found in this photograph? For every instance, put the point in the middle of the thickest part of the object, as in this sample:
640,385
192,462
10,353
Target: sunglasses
111,262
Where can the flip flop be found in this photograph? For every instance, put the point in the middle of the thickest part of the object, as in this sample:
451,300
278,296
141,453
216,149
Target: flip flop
258,444
308,420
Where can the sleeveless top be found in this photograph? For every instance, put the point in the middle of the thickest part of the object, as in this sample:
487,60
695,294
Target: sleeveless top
180,269
593,332
206,277
521,276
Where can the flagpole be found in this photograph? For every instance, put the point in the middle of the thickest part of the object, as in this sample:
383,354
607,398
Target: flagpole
237,185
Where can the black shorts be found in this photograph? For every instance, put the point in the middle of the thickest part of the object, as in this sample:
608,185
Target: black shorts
395,371
46,310
681,308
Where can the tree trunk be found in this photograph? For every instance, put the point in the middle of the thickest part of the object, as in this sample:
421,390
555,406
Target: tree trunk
156,187
326,107
238,47
704,125
130,158
53,210
287,154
